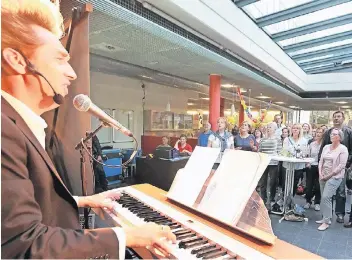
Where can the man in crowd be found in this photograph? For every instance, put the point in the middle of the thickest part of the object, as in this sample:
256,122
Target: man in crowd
338,121
39,216
280,125
203,137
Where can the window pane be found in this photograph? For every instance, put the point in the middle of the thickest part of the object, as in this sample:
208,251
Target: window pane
317,16
322,47
315,35
265,7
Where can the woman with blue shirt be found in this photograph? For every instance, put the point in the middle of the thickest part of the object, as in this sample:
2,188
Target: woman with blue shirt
291,143
245,141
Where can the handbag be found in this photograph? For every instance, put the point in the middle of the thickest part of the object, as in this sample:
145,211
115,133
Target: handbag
349,178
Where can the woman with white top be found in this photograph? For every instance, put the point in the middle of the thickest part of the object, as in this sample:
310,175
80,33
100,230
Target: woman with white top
313,187
292,144
332,166
221,138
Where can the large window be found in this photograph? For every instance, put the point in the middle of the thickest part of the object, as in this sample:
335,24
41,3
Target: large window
109,135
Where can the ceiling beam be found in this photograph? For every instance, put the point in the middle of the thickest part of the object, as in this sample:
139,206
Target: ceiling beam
319,41
296,11
342,49
314,27
327,68
243,3
335,59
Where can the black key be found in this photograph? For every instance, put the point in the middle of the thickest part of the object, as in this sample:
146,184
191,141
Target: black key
135,210
171,224
138,207
215,255
197,250
189,241
175,226
194,244
163,222
185,236
144,211
207,252
230,258
147,214
151,219
130,204
183,231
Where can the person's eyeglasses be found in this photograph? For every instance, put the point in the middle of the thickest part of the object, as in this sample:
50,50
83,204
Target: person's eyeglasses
332,134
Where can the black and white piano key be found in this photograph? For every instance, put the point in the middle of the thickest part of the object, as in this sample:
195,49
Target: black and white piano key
193,244
204,253
202,249
215,255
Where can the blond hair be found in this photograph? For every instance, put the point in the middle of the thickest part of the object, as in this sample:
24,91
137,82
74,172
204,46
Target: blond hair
299,126
225,120
17,17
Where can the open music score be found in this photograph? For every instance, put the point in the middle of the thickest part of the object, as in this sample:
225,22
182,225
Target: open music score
227,194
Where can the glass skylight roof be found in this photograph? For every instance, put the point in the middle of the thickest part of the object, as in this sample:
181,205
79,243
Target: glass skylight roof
315,33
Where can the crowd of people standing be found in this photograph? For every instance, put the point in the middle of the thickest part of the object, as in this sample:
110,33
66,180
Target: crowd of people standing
322,179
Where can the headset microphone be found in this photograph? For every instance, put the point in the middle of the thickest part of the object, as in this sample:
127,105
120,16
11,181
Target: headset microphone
58,99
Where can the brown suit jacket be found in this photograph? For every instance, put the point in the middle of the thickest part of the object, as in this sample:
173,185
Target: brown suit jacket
39,217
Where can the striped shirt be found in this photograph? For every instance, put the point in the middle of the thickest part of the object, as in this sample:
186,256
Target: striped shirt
271,146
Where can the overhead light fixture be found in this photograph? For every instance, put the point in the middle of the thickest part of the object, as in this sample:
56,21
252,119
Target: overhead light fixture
228,86
341,102
168,106
345,106
153,62
205,98
263,97
190,104
192,112
146,77
280,102
293,107
243,90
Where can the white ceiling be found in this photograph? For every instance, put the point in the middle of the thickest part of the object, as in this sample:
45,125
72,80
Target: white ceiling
145,49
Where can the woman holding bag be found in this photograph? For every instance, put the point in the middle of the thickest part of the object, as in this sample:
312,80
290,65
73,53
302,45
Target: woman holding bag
331,172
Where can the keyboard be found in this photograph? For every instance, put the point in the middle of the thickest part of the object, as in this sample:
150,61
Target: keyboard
195,240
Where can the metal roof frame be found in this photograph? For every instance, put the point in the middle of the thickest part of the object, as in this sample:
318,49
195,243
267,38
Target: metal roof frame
296,11
336,54
314,27
318,41
342,49
327,68
320,62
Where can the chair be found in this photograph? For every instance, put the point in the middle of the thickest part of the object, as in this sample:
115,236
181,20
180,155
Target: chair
113,174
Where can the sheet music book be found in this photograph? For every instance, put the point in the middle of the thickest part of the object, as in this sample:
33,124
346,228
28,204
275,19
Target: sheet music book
233,184
189,181
227,194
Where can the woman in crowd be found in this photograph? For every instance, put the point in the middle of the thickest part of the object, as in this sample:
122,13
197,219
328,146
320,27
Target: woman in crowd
221,139
313,187
258,134
164,142
307,131
270,145
244,140
285,133
292,144
182,146
331,173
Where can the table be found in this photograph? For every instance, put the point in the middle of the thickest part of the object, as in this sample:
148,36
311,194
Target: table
158,172
290,172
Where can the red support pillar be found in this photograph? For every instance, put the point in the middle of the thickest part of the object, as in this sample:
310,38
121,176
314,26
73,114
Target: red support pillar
240,115
222,106
214,100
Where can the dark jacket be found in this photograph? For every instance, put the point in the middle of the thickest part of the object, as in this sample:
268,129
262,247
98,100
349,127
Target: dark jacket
39,216
347,141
